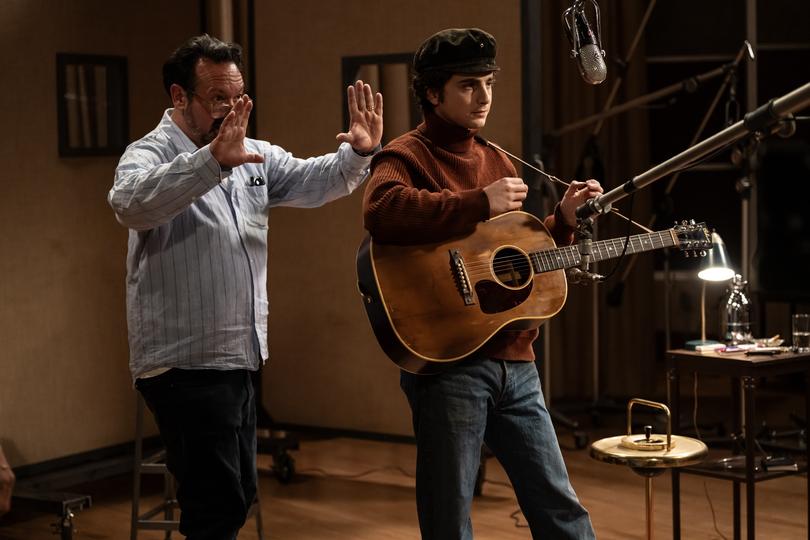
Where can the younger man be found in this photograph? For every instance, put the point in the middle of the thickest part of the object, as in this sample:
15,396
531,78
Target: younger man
433,183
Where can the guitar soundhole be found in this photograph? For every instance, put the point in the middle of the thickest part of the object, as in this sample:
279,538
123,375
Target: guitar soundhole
511,268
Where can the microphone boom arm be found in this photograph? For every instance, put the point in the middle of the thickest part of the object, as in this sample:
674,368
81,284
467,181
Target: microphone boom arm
760,120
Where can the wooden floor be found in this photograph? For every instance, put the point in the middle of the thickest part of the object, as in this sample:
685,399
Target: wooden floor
358,489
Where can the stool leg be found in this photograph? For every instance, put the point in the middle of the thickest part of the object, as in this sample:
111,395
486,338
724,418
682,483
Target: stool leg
259,524
169,495
649,493
256,510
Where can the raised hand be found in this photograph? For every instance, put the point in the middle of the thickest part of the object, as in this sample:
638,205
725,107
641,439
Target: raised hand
505,195
228,147
575,196
365,118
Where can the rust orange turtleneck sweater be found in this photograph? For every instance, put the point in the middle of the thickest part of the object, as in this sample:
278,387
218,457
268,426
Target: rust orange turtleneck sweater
427,186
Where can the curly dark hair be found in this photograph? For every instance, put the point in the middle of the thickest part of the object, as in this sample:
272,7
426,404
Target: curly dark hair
429,80
180,66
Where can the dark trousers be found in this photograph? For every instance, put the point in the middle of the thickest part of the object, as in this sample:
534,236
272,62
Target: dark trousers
207,420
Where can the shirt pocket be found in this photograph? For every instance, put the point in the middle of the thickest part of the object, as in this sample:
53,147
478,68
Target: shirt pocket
254,204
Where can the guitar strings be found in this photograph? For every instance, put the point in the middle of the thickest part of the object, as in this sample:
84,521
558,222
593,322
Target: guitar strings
571,256
482,265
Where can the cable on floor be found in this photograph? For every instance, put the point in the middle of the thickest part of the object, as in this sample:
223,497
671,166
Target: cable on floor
328,474
711,507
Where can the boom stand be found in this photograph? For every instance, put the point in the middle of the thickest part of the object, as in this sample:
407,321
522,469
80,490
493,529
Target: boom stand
689,85
760,122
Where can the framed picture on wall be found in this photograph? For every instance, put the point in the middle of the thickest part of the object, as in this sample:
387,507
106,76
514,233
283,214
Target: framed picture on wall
92,104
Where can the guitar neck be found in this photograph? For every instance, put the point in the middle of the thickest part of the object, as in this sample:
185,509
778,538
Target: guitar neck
569,256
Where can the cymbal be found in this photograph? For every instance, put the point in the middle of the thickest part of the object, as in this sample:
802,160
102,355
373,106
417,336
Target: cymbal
682,452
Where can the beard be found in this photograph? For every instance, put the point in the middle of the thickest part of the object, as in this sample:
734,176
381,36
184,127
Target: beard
213,131
202,137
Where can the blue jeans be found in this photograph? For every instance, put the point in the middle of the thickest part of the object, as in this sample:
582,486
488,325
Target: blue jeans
207,421
500,403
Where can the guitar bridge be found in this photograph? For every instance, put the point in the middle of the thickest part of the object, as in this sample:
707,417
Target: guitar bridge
461,277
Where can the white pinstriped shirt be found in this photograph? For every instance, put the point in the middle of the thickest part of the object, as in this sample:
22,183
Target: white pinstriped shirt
196,282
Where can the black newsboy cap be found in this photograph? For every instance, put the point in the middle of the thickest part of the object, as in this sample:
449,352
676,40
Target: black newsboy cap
460,50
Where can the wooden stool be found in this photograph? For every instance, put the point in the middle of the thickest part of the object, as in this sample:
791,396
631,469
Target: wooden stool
168,507
649,455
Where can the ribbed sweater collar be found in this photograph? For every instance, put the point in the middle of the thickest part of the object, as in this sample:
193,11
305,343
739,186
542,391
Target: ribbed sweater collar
450,137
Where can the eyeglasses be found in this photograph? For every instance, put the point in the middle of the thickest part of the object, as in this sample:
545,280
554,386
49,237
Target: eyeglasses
219,106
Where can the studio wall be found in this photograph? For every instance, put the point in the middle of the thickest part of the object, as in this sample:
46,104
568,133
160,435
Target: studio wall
64,382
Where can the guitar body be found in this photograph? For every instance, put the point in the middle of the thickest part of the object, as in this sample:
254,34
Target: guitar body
434,304
431,305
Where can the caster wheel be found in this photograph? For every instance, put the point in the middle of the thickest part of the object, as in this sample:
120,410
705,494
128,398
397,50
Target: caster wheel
580,440
284,468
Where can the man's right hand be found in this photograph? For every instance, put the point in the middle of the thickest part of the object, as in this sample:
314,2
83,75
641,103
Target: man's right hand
228,147
505,195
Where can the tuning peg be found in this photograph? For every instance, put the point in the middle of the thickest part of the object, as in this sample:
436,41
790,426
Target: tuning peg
703,253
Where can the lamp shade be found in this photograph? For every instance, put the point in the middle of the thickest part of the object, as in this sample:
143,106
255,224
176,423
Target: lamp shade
715,266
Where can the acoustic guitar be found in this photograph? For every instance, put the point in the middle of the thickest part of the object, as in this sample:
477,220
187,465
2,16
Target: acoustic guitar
431,305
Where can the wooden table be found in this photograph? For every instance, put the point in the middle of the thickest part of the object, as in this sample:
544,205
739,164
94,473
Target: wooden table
744,371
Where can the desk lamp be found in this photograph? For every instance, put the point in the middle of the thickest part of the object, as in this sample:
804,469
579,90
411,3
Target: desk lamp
713,267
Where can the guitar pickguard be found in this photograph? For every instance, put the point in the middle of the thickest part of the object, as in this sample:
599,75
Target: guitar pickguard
494,298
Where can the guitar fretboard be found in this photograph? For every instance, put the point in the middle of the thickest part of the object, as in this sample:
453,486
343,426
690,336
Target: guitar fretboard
569,256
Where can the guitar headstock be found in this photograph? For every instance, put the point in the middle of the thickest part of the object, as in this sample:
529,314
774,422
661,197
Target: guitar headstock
693,238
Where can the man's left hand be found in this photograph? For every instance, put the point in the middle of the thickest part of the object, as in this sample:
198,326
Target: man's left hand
575,196
365,118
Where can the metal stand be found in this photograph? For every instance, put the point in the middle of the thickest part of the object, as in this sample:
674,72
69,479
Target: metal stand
688,85
154,464
64,505
649,455
761,122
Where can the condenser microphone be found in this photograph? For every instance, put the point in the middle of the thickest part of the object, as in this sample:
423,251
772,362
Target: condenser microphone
586,45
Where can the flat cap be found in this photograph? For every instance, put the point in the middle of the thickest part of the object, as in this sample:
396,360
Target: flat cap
460,50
